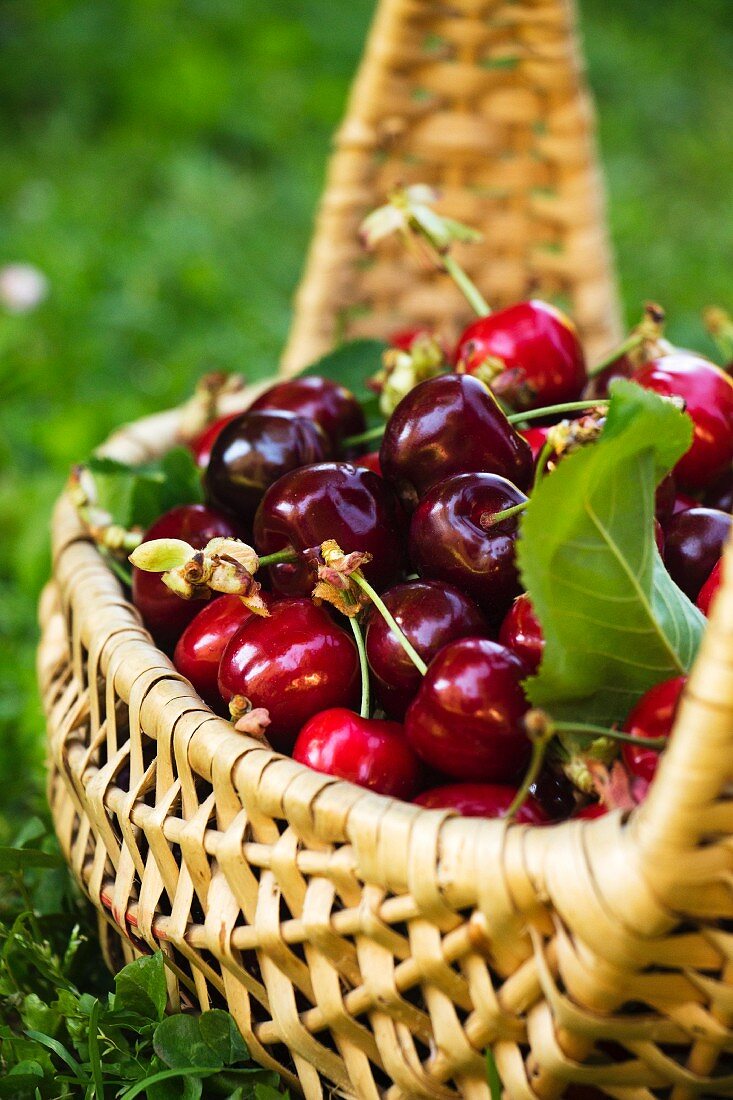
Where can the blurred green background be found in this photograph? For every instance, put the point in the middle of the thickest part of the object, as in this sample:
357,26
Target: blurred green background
160,162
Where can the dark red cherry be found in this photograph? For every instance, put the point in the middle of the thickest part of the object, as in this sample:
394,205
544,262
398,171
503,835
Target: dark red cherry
454,538
253,451
522,632
554,793
720,493
370,752
535,349
536,437
482,800
591,811
200,647
597,386
165,615
664,500
370,462
450,425
431,614
294,663
653,716
693,545
710,588
333,500
683,503
202,444
466,719
708,395
330,405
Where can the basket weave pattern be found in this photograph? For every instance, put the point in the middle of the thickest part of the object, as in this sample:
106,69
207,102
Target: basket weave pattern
486,100
358,940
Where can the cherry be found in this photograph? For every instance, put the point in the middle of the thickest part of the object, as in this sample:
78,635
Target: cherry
708,395
554,793
522,632
332,500
200,647
710,588
253,451
202,444
165,614
450,425
370,462
652,716
694,543
453,538
591,811
404,338
536,437
683,503
331,406
664,500
370,752
597,386
466,719
294,663
720,493
530,354
482,800
431,614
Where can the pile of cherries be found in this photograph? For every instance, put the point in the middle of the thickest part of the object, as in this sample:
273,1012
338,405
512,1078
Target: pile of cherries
449,636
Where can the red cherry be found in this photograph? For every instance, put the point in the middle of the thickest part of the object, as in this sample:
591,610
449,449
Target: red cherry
404,338
202,444
482,800
664,500
653,716
693,544
431,614
256,449
536,437
453,538
537,350
708,395
331,406
522,632
591,811
332,500
165,614
370,462
450,425
466,719
369,752
597,386
710,588
294,663
200,647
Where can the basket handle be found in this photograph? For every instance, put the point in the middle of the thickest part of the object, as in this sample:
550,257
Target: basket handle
489,103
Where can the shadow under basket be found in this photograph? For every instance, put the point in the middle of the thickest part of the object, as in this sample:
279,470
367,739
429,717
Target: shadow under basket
363,944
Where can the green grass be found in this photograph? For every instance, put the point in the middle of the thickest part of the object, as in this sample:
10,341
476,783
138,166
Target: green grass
160,162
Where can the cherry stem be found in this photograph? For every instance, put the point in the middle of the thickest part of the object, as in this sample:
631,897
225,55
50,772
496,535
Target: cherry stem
554,410
542,460
468,288
288,555
540,743
364,437
490,519
366,705
589,730
384,611
631,342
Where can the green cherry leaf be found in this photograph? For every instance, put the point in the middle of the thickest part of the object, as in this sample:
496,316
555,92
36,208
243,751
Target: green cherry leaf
351,364
614,621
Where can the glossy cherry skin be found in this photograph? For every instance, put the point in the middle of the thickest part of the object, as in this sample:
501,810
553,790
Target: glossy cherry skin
664,500
332,500
708,395
200,647
720,493
536,437
330,405
166,615
253,451
202,444
653,716
540,351
555,794
521,632
683,503
370,752
710,588
294,663
693,544
450,425
370,462
452,539
466,719
430,614
482,800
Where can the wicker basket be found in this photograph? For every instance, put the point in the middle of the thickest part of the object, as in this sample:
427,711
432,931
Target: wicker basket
357,940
